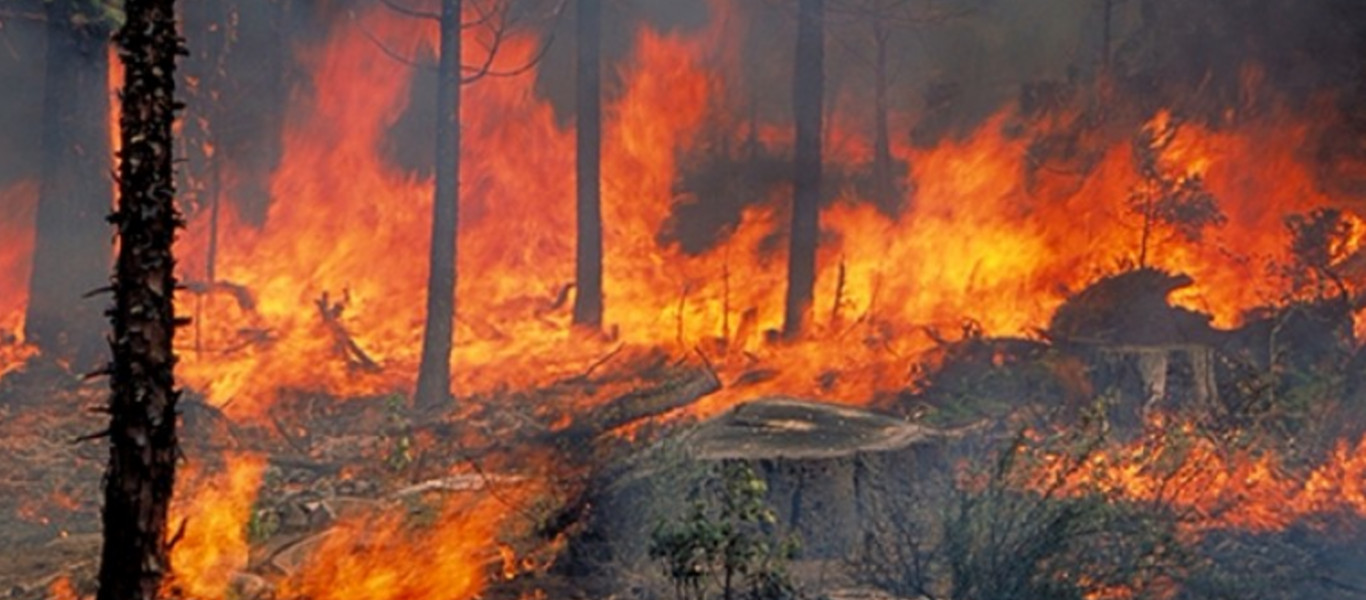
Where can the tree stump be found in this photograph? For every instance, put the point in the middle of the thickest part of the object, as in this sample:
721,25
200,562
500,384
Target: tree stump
834,474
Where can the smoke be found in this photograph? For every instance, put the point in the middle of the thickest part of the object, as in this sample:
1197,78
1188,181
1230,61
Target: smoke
22,42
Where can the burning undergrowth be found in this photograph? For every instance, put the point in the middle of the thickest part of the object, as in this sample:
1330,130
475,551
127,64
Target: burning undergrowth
1179,271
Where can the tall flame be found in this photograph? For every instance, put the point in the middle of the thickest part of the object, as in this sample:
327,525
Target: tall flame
213,507
325,295
18,203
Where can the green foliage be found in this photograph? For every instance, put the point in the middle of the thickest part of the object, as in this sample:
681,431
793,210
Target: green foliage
399,434
105,14
263,524
977,378
1004,542
1006,532
728,533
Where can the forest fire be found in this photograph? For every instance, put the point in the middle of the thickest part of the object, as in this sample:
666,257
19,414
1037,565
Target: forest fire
995,227
1212,488
212,544
18,201
1011,263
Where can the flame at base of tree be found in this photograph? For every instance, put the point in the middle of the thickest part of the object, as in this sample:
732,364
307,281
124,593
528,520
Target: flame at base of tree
990,236
321,296
210,515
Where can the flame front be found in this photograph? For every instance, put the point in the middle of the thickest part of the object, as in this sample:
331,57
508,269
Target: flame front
1212,487
213,509
385,558
987,236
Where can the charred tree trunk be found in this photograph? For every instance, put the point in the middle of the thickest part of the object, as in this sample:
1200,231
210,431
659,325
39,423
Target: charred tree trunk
588,276
142,431
434,373
807,102
70,255
882,145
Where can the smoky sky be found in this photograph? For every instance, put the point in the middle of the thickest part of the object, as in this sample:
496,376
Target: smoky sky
945,75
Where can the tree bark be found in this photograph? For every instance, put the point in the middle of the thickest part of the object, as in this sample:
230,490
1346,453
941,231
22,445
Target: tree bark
70,255
884,187
434,373
807,102
588,295
143,445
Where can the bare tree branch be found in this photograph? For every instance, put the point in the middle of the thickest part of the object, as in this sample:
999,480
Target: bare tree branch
19,14
499,32
497,19
410,12
390,52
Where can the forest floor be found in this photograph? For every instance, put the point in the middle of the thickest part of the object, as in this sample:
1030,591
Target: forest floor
327,460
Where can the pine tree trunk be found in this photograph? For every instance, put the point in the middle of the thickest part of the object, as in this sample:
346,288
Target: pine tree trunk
588,296
251,137
807,102
882,147
71,253
434,374
142,432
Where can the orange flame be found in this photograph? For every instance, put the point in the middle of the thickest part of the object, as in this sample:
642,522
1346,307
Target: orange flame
18,203
214,508
1211,487
62,589
384,558
339,267
979,242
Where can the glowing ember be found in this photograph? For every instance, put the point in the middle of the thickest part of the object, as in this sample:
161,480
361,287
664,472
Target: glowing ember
61,589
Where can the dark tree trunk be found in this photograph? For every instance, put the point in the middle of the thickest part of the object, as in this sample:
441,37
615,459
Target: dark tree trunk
142,431
212,25
884,187
588,272
807,102
250,136
434,374
1106,36
71,251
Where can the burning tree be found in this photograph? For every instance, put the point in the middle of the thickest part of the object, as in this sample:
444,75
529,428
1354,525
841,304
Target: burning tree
497,19
1164,198
588,155
881,19
142,431
808,90
434,374
69,257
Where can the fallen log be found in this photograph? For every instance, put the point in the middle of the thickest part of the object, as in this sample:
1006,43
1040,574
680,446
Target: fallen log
239,293
678,392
